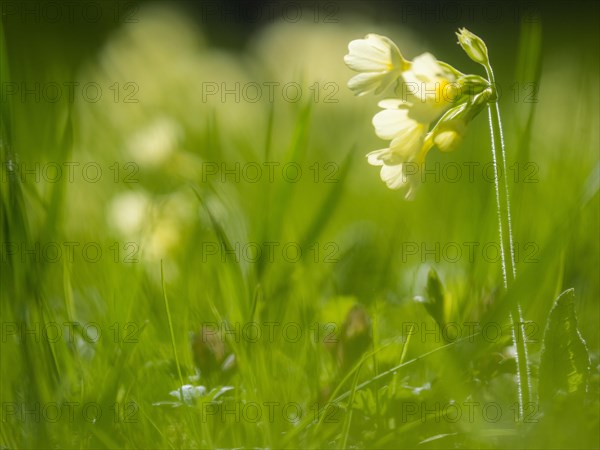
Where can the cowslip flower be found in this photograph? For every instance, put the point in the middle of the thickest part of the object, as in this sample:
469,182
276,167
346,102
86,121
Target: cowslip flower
407,138
430,91
406,121
429,87
378,61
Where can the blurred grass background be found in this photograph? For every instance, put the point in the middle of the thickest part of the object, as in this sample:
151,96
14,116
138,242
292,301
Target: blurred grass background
174,208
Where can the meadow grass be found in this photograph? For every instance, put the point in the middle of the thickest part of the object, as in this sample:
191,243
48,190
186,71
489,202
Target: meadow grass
96,354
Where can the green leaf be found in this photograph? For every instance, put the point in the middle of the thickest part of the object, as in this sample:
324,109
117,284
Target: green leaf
565,362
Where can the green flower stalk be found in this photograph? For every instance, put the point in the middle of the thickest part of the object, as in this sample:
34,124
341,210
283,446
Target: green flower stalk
477,51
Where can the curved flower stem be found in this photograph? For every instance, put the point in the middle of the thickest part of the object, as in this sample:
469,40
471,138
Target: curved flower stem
507,253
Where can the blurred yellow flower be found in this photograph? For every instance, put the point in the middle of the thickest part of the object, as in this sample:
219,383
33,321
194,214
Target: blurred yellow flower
379,62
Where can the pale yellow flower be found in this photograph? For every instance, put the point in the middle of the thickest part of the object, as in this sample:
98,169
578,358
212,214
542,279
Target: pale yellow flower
429,87
378,61
406,121
408,142
430,91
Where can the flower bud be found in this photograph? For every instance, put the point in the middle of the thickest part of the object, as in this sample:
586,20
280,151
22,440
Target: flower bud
449,134
473,46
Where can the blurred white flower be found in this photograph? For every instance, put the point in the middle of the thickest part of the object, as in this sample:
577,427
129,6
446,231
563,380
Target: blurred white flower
379,62
153,144
157,225
128,211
